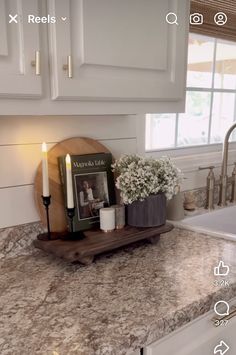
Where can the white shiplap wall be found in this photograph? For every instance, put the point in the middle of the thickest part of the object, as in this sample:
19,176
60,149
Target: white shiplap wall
20,153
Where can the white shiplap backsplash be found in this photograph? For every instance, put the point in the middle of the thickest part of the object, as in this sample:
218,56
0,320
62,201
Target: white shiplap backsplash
20,153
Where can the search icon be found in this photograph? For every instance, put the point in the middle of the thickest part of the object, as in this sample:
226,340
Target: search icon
172,18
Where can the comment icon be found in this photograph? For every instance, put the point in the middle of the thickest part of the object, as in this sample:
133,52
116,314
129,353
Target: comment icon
221,308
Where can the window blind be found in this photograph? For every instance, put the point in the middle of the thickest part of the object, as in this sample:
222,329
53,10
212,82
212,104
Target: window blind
208,8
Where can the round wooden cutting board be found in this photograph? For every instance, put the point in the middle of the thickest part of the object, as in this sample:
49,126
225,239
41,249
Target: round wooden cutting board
71,146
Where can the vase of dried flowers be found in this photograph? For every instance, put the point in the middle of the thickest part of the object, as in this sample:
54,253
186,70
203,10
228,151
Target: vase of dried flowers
145,185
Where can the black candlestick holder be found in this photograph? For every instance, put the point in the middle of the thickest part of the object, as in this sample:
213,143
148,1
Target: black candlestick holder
72,235
71,214
48,235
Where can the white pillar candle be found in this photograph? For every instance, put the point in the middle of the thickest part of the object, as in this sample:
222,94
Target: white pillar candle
45,170
69,188
107,219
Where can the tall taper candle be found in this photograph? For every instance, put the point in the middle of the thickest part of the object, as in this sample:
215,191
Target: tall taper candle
45,170
69,189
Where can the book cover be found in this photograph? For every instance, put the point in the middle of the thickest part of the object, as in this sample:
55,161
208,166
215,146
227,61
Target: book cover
93,187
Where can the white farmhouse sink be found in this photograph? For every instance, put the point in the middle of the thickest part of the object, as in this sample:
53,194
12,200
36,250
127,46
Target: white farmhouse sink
219,223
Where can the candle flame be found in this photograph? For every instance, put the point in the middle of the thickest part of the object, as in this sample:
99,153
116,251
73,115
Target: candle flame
44,147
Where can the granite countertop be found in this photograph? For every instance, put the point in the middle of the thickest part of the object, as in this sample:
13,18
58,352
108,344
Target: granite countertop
123,301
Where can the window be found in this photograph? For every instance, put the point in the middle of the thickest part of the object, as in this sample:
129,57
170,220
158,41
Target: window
210,99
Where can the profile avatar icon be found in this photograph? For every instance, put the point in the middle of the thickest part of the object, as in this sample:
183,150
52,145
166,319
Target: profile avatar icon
220,18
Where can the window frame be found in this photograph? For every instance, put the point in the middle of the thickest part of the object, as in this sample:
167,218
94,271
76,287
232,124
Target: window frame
201,148
188,159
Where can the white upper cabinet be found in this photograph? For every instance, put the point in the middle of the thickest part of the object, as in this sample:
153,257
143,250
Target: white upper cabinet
97,56
19,42
118,50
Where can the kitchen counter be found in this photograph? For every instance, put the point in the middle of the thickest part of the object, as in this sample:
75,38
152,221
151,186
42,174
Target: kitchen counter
124,301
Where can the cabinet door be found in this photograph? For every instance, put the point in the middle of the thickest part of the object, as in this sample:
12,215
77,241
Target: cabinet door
120,50
18,45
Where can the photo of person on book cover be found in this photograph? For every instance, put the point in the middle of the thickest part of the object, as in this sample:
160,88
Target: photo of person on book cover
93,187
92,194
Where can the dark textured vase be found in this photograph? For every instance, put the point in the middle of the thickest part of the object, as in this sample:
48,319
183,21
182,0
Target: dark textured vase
148,213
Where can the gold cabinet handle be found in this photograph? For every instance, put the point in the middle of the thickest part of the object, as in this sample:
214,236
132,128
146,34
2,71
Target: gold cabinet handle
37,63
68,66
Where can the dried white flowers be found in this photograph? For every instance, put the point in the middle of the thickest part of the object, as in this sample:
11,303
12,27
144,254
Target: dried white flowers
138,178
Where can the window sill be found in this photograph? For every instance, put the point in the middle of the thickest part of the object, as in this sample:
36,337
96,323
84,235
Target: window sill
186,151
189,159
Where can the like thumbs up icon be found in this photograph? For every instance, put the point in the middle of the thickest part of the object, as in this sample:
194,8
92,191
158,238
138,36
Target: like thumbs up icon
221,270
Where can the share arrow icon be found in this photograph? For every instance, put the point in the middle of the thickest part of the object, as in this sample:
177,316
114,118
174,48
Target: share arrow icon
221,349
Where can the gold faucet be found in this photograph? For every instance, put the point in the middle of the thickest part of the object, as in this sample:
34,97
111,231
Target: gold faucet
210,187
223,176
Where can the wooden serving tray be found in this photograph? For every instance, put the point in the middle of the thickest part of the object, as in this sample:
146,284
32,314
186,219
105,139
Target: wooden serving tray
97,242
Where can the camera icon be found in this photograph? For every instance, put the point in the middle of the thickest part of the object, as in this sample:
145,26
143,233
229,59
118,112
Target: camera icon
196,19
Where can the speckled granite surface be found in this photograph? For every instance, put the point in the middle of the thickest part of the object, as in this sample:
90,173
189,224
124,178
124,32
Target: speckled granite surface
18,240
122,302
